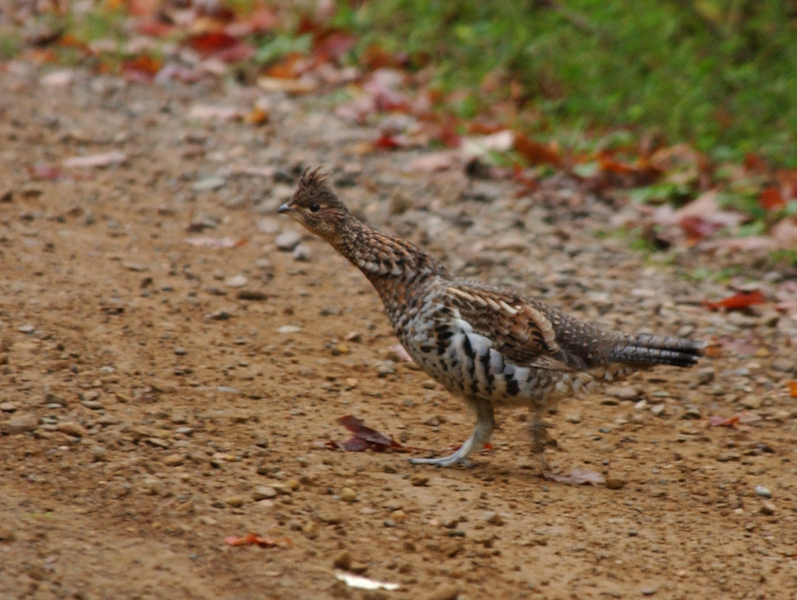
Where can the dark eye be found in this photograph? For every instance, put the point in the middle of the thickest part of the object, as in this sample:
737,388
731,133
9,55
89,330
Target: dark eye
315,207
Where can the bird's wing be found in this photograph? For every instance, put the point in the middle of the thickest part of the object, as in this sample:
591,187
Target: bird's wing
518,329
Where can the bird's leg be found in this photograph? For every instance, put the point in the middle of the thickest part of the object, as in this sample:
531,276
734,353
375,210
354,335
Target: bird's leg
485,423
540,439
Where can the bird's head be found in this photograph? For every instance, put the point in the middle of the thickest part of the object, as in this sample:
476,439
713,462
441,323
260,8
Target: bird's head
317,208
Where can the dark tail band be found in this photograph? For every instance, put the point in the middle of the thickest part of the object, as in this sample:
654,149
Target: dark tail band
657,350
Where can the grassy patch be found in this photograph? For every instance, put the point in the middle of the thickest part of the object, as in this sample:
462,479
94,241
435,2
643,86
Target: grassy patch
720,73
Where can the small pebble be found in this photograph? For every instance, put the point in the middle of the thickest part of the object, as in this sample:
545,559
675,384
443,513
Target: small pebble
658,409
613,483
72,428
302,253
180,351
234,501
209,184
8,407
445,591
649,591
419,480
348,495
264,492
492,517
237,281
288,240
173,460
763,491
767,508
342,560
289,329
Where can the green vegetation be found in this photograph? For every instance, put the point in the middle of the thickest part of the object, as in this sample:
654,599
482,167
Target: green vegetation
719,73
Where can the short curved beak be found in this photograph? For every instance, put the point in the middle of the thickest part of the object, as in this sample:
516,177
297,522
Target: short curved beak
284,208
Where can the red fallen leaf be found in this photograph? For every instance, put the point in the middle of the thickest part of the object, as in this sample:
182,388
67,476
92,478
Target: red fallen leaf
142,8
448,135
534,152
141,69
365,438
753,162
260,21
43,171
740,420
212,42
251,539
698,228
386,142
577,477
237,53
257,116
792,385
771,199
375,57
613,166
482,128
154,28
737,301
334,46
284,69
718,421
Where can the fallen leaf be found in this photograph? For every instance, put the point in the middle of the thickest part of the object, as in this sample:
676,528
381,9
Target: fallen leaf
207,44
154,27
697,228
738,421
738,301
141,69
771,199
755,163
251,539
481,146
365,438
613,166
707,207
105,159
792,385
718,421
334,46
259,21
43,171
364,583
534,152
289,86
209,242
257,116
387,142
238,53
447,134
577,476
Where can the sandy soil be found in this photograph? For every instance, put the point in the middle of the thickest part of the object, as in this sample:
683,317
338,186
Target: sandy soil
158,397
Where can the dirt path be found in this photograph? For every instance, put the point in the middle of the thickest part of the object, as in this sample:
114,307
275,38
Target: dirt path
158,397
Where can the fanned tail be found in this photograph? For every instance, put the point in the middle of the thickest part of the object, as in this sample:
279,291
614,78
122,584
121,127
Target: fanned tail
657,350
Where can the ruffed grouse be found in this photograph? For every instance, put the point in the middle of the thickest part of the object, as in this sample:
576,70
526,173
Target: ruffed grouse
488,344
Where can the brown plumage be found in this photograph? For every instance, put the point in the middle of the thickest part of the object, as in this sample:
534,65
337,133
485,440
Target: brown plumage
488,344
